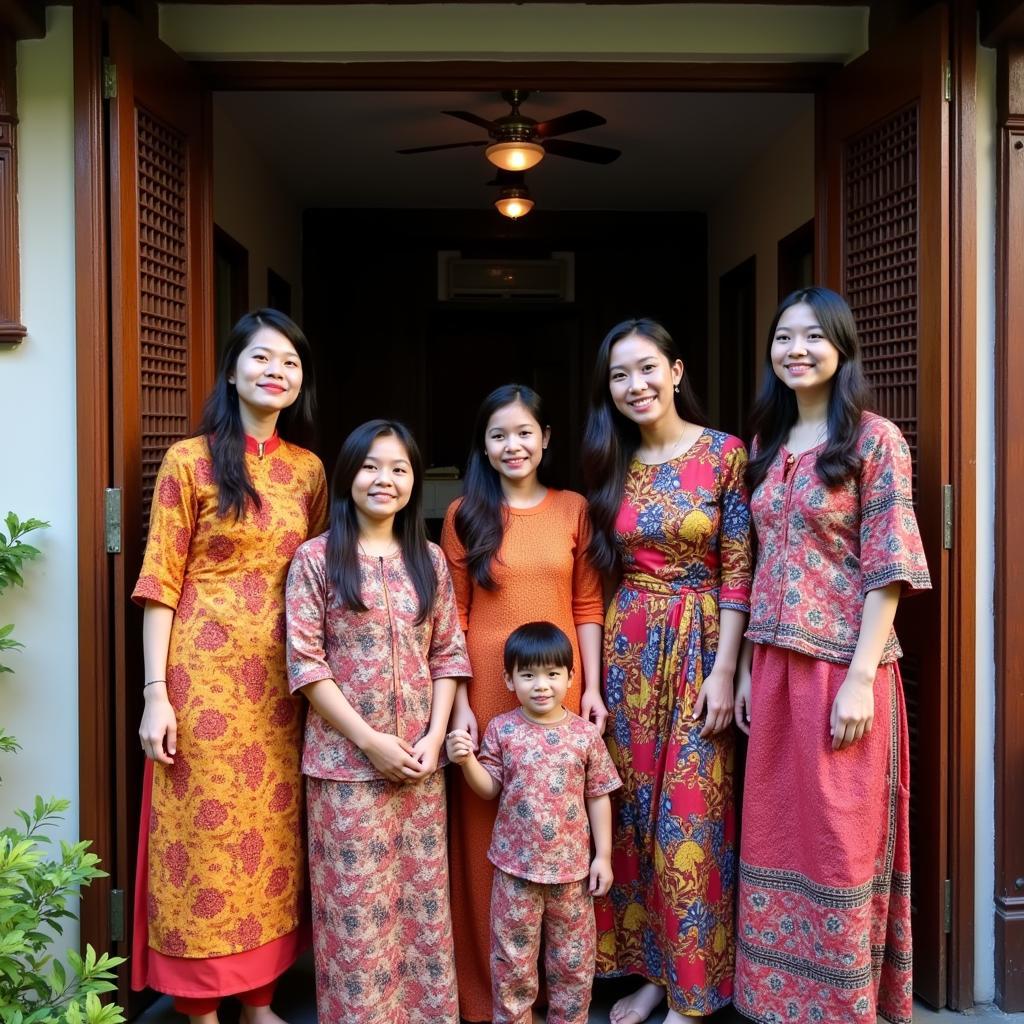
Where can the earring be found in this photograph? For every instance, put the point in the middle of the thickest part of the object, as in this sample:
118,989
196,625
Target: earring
676,389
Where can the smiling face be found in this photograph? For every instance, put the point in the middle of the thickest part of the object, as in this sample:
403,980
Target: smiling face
540,689
803,358
641,380
514,442
268,373
383,485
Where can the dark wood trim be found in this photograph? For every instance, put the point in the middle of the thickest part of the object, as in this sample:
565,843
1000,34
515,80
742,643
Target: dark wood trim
1001,21
487,76
788,249
95,796
23,19
11,329
1009,872
963,459
236,255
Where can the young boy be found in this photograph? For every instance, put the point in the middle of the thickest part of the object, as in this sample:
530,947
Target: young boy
554,773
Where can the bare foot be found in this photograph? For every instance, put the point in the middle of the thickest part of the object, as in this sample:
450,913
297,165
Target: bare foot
260,1015
635,1009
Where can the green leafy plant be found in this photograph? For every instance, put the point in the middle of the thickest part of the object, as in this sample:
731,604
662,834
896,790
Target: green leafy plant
14,552
37,887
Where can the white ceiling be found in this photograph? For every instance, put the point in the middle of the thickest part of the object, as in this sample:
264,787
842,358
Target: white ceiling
680,151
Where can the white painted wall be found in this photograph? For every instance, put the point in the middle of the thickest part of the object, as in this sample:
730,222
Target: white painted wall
984,653
771,198
512,31
256,210
39,704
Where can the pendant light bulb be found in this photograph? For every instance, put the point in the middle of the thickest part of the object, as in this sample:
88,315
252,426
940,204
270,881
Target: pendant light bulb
515,156
514,202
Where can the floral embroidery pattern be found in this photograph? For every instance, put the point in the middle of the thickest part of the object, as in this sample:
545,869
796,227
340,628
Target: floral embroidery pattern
684,535
213,895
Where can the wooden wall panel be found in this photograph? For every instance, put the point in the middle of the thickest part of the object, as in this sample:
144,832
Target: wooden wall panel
11,329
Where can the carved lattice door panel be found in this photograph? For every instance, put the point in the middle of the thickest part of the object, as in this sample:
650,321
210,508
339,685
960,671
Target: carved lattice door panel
161,316
883,243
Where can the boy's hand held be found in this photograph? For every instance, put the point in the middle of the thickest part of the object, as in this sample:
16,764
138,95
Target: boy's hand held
459,744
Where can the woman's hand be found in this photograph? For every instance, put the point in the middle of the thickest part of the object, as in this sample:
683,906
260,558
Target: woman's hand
716,698
463,719
158,730
393,757
743,705
853,710
427,751
592,708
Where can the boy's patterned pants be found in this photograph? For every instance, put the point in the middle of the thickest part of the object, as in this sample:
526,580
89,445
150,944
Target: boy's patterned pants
520,911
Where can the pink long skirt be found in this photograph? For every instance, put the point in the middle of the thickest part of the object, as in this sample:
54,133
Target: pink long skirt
823,929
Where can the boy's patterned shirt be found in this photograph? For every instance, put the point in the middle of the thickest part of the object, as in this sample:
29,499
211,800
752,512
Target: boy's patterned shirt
822,548
547,773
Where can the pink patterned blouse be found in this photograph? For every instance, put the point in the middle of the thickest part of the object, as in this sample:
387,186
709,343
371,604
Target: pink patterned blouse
821,548
547,773
380,659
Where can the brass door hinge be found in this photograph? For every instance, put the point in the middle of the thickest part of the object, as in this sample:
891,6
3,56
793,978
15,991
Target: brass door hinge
109,79
947,82
117,915
947,516
947,916
112,520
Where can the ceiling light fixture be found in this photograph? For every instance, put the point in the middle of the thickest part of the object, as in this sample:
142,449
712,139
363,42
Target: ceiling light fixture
514,202
515,156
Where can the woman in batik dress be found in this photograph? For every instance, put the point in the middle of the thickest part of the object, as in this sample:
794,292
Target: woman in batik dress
375,646
670,518
221,866
824,885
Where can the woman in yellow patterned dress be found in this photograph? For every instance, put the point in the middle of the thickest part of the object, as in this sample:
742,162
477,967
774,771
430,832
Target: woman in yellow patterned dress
670,518
219,904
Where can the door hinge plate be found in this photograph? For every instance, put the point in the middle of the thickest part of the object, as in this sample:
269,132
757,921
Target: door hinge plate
947,917
109,79
947,516
112,520
947,82
117,915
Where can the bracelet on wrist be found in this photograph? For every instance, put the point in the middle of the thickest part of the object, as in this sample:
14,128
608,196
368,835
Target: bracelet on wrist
152,682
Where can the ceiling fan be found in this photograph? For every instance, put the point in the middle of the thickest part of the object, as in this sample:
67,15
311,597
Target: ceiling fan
518,142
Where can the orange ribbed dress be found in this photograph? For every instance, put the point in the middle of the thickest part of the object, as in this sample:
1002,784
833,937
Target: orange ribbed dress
542,573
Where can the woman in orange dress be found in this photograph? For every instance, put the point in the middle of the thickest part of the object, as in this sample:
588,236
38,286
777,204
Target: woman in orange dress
219,906
517,552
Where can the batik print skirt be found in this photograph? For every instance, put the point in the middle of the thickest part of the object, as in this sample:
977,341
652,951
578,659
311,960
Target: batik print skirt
382,931
823,927
669,915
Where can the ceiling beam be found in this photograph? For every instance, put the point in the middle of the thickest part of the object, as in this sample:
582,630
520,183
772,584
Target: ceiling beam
1001,21
23,19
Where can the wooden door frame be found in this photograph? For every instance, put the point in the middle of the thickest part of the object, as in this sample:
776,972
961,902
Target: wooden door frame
1009,523
92,316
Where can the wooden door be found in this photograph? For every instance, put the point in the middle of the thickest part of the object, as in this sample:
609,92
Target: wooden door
161,314
883,241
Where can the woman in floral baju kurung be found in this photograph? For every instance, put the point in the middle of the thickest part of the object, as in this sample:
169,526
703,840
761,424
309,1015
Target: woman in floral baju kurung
823,929
380,680
219,904
681,533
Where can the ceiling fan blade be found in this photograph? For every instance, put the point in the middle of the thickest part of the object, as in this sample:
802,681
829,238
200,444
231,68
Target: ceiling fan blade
574,122
465,115
508,179
431,149
581,151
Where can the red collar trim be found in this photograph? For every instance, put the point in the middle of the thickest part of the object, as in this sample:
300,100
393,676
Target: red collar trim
252,446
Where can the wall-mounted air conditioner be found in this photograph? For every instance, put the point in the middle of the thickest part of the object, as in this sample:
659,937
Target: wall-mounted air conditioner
498,280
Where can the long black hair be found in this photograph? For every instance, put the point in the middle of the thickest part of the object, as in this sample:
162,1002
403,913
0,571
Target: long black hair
409,529
775,410
481,516
221,424
610,439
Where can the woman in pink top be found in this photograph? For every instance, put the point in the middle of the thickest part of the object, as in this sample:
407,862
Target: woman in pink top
823,930
373,642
